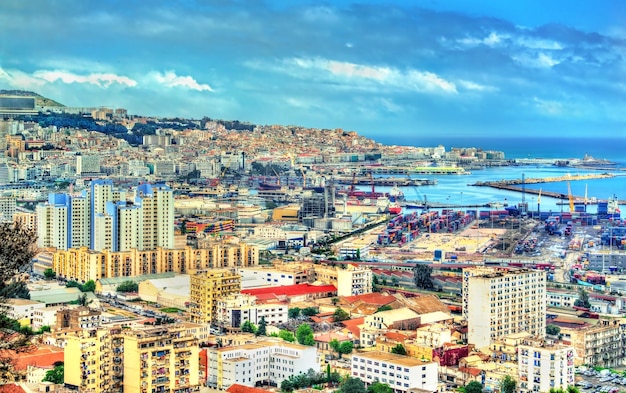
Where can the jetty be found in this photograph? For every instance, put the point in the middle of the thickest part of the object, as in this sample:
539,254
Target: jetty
537,180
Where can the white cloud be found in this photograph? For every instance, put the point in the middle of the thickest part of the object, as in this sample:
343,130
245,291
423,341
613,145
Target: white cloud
492,39
170,79
469,85
548,107
97,79
19,79
541,60
351,75
537,43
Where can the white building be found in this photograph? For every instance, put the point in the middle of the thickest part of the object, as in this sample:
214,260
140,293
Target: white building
400,372
350,280
22,310
234,310
258,277
542,368
498,302
7,208
265,361
377,324
87,164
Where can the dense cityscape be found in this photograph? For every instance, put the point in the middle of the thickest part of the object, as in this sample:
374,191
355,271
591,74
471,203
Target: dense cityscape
145,254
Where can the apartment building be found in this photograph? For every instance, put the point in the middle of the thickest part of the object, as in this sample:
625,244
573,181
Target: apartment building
101,218
7,208
233,310
78,318
207,288
601,344
375,325
350,280
153,359
501,301
266,361
22,310
260,276
543,367
401,373
83,264
160,359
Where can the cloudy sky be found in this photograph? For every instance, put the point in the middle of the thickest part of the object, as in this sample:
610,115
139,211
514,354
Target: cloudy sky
430,67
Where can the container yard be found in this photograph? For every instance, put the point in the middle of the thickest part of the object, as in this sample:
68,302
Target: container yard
405,228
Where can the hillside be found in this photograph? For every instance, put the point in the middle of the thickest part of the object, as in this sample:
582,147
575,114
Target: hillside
39,100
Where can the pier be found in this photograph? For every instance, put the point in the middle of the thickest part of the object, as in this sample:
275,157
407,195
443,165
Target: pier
537,180
385,181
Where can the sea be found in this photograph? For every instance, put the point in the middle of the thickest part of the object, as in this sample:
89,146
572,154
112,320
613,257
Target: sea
458,189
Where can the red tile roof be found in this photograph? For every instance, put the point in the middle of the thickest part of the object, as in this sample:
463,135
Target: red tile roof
353,326
43,356
371,298
291,290
237,388
11,388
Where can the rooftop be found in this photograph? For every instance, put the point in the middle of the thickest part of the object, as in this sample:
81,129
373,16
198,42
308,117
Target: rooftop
291,290
392,358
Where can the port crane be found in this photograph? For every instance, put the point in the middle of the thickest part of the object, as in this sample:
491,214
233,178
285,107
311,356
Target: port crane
571,198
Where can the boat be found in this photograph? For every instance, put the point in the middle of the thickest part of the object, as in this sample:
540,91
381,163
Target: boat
394,208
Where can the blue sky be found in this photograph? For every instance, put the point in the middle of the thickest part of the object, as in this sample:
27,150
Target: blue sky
433,67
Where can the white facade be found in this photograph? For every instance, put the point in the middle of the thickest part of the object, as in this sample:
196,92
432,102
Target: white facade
400,372
375,325
45,317
21,309
499,302
102,232
265,361
7,209
544,368
252,277
234,310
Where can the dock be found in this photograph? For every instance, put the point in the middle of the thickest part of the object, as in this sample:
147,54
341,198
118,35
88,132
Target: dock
538,180
385,181
577,199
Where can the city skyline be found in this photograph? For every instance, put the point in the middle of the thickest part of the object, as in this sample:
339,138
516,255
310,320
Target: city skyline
449,68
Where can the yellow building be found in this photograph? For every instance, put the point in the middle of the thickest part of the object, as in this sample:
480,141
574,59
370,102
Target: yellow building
163,358
93,360
82,264
207,287
160,359
386,344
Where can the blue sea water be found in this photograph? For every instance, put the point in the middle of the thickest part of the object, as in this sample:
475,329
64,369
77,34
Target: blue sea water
613,149
457,189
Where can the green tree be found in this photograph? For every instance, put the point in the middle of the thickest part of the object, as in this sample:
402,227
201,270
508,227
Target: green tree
286,335
559,390
304,335
286,385
398,349
89,286
352,385
340,315
49,274
261,330
385,307
379,387
345,348
55,375
583,299
572,389
508,384
17,249
309,311
334,301
395,282
82,300
474,387
294,312
422,276
553,330
128,286
248,327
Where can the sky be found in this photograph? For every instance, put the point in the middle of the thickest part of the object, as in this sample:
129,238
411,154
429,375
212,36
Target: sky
381,68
